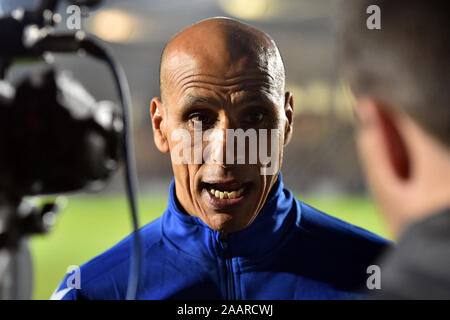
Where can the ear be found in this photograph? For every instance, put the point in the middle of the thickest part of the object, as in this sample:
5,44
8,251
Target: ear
157,113
384,146
289,112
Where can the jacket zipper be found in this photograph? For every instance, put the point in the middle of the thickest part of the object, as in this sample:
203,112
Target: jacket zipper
230,288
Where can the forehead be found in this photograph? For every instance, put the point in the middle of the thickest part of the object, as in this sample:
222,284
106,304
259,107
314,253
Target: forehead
219,74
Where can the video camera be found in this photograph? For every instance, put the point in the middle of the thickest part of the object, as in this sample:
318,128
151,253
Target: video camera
54,137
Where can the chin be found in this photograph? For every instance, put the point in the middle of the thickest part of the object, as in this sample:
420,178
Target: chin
225,222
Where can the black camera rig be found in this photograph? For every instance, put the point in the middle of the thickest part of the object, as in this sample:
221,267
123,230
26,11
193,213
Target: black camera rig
54,138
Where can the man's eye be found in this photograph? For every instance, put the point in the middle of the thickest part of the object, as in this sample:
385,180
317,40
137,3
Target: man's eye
254,117
204,119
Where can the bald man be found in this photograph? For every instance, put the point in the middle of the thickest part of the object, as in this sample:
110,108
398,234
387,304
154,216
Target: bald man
231,230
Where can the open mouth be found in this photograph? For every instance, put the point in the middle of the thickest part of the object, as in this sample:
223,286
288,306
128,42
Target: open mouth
225,194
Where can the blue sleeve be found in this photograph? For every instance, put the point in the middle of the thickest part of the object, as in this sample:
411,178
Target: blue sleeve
66,290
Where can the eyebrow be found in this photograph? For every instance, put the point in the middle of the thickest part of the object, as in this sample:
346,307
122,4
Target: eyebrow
192,100
254,98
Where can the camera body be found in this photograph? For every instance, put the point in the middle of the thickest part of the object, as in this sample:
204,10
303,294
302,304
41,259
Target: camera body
55,137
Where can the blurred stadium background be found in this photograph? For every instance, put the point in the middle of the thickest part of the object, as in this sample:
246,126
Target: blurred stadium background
320,163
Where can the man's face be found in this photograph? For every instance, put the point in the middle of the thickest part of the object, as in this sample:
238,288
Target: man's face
205,99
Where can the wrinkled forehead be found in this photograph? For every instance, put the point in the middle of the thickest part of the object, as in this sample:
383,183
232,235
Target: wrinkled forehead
225,59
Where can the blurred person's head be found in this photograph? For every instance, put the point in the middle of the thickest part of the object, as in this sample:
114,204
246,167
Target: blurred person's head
216,75
400,76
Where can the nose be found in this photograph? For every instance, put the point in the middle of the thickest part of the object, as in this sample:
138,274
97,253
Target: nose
217,141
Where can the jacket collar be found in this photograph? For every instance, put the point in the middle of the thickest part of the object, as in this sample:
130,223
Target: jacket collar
192,236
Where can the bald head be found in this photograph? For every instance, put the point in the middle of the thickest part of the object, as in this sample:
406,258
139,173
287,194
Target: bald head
224,47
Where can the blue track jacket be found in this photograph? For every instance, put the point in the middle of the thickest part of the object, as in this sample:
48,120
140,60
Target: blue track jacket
290,251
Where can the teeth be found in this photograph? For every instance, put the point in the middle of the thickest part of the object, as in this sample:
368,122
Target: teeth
226,194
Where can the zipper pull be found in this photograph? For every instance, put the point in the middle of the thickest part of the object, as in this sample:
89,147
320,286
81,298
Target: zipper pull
223,238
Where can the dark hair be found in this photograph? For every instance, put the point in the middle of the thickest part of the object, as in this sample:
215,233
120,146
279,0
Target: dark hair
406,63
